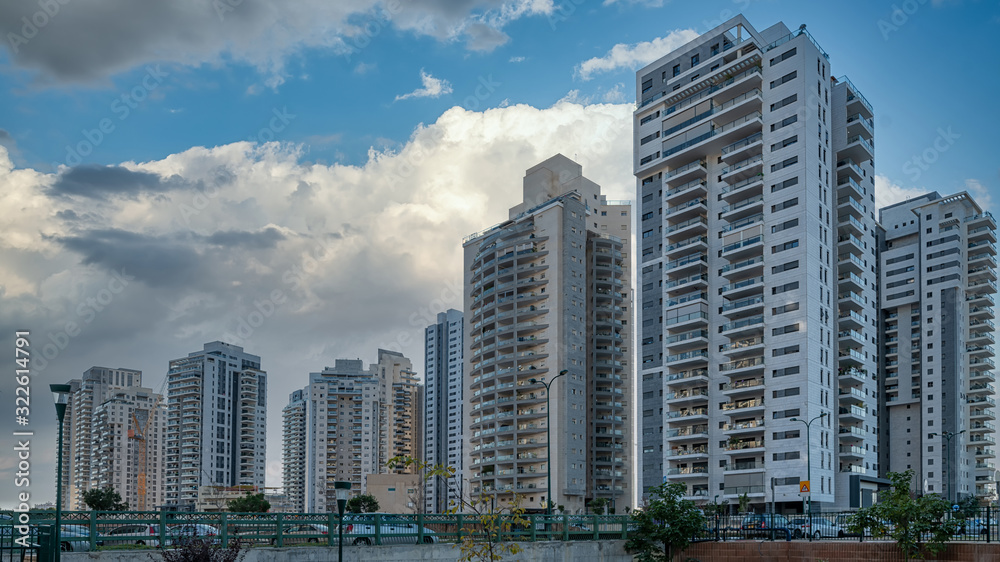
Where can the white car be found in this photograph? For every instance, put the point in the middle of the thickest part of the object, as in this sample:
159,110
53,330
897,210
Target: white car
819,528
189,532
360,529
142,535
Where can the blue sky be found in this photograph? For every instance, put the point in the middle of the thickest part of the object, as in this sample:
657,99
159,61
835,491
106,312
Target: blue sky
337,152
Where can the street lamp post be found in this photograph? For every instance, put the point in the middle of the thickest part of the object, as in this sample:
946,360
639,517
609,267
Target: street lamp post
809,468
341,488
60,395
947,455
548,436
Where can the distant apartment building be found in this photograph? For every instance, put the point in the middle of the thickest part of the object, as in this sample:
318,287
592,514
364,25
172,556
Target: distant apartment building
100,448
938,282
443,411
346,424
546,291
216,422
757,291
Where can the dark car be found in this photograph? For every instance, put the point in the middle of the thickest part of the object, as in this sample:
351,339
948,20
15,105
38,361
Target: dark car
763,524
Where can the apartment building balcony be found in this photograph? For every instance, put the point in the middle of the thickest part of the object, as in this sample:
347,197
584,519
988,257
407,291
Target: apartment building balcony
851,433
685,229
745,327
686,265
689,321
743,287
975,351
690,377
742,347
744,426
694,297
686,397
851,301
980,338
859,125
742,388
679,285
852,396
734,493
853,413
846,223
982,273
685,174
736,446
687,433
985,232
852,339
981,259
749,267
981,311
688,415
850,319
689,453
981,414
751,245
848,168
686,209
687,472
746,306
982,401
735,139
982,427
685,340
744,466
982,453
848,262
744,407
687,358
851,453
850,281
856,103
694,244
851,357
981,376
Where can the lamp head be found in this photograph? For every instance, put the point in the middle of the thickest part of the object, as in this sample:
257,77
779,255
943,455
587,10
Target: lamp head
822,414
564,371
533,381
793,419
60,395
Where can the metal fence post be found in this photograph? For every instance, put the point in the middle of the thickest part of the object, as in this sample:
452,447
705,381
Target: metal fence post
224,530
378,529
534,531
597,535
162,528
420,528
93,531
278,532
458,526
987,524
565,518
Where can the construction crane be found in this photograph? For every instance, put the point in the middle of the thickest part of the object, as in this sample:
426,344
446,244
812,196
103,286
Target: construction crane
137,434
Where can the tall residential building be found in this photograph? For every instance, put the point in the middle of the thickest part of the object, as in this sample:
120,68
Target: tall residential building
754,168
293,450
443,412
346,424
939,276
216,421
98,445
546,291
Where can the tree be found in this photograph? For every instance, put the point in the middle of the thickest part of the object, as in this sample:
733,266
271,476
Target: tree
483,542
250,503
916,523
104,499
365,503
203,551
597,505
665,526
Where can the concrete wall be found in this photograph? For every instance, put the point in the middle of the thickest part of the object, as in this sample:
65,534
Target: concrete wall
554,551
831,551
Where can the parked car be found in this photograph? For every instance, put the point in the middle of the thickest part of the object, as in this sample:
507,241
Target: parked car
973,527
188,532
819,527
392,530
762,525
76,538
136,530
308,533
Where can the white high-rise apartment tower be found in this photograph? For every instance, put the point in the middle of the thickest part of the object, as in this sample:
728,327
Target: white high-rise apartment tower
104,406
216,421
754,175
938,267
548,291
443,418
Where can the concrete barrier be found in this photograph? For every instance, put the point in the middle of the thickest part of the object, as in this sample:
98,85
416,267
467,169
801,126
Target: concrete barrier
545,551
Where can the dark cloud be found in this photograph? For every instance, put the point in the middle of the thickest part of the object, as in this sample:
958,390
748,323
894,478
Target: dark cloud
155,261
263,240
101,181
482,37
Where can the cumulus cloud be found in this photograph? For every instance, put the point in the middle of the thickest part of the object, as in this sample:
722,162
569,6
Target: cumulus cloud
94,40
980,193
433,88
360,256
889,193
635,55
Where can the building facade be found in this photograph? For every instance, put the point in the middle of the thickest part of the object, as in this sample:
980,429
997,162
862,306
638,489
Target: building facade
547,291
938,280
348,423
99,442
757,292
443,411
216,422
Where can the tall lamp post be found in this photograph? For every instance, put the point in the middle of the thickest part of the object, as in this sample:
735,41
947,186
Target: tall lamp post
60,394
809,467
342,489
548,436
947,455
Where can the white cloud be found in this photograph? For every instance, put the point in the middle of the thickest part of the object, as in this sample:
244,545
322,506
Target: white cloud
517,59
888,193
616,94
433,88
980,193
634,56
374,250
364,68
